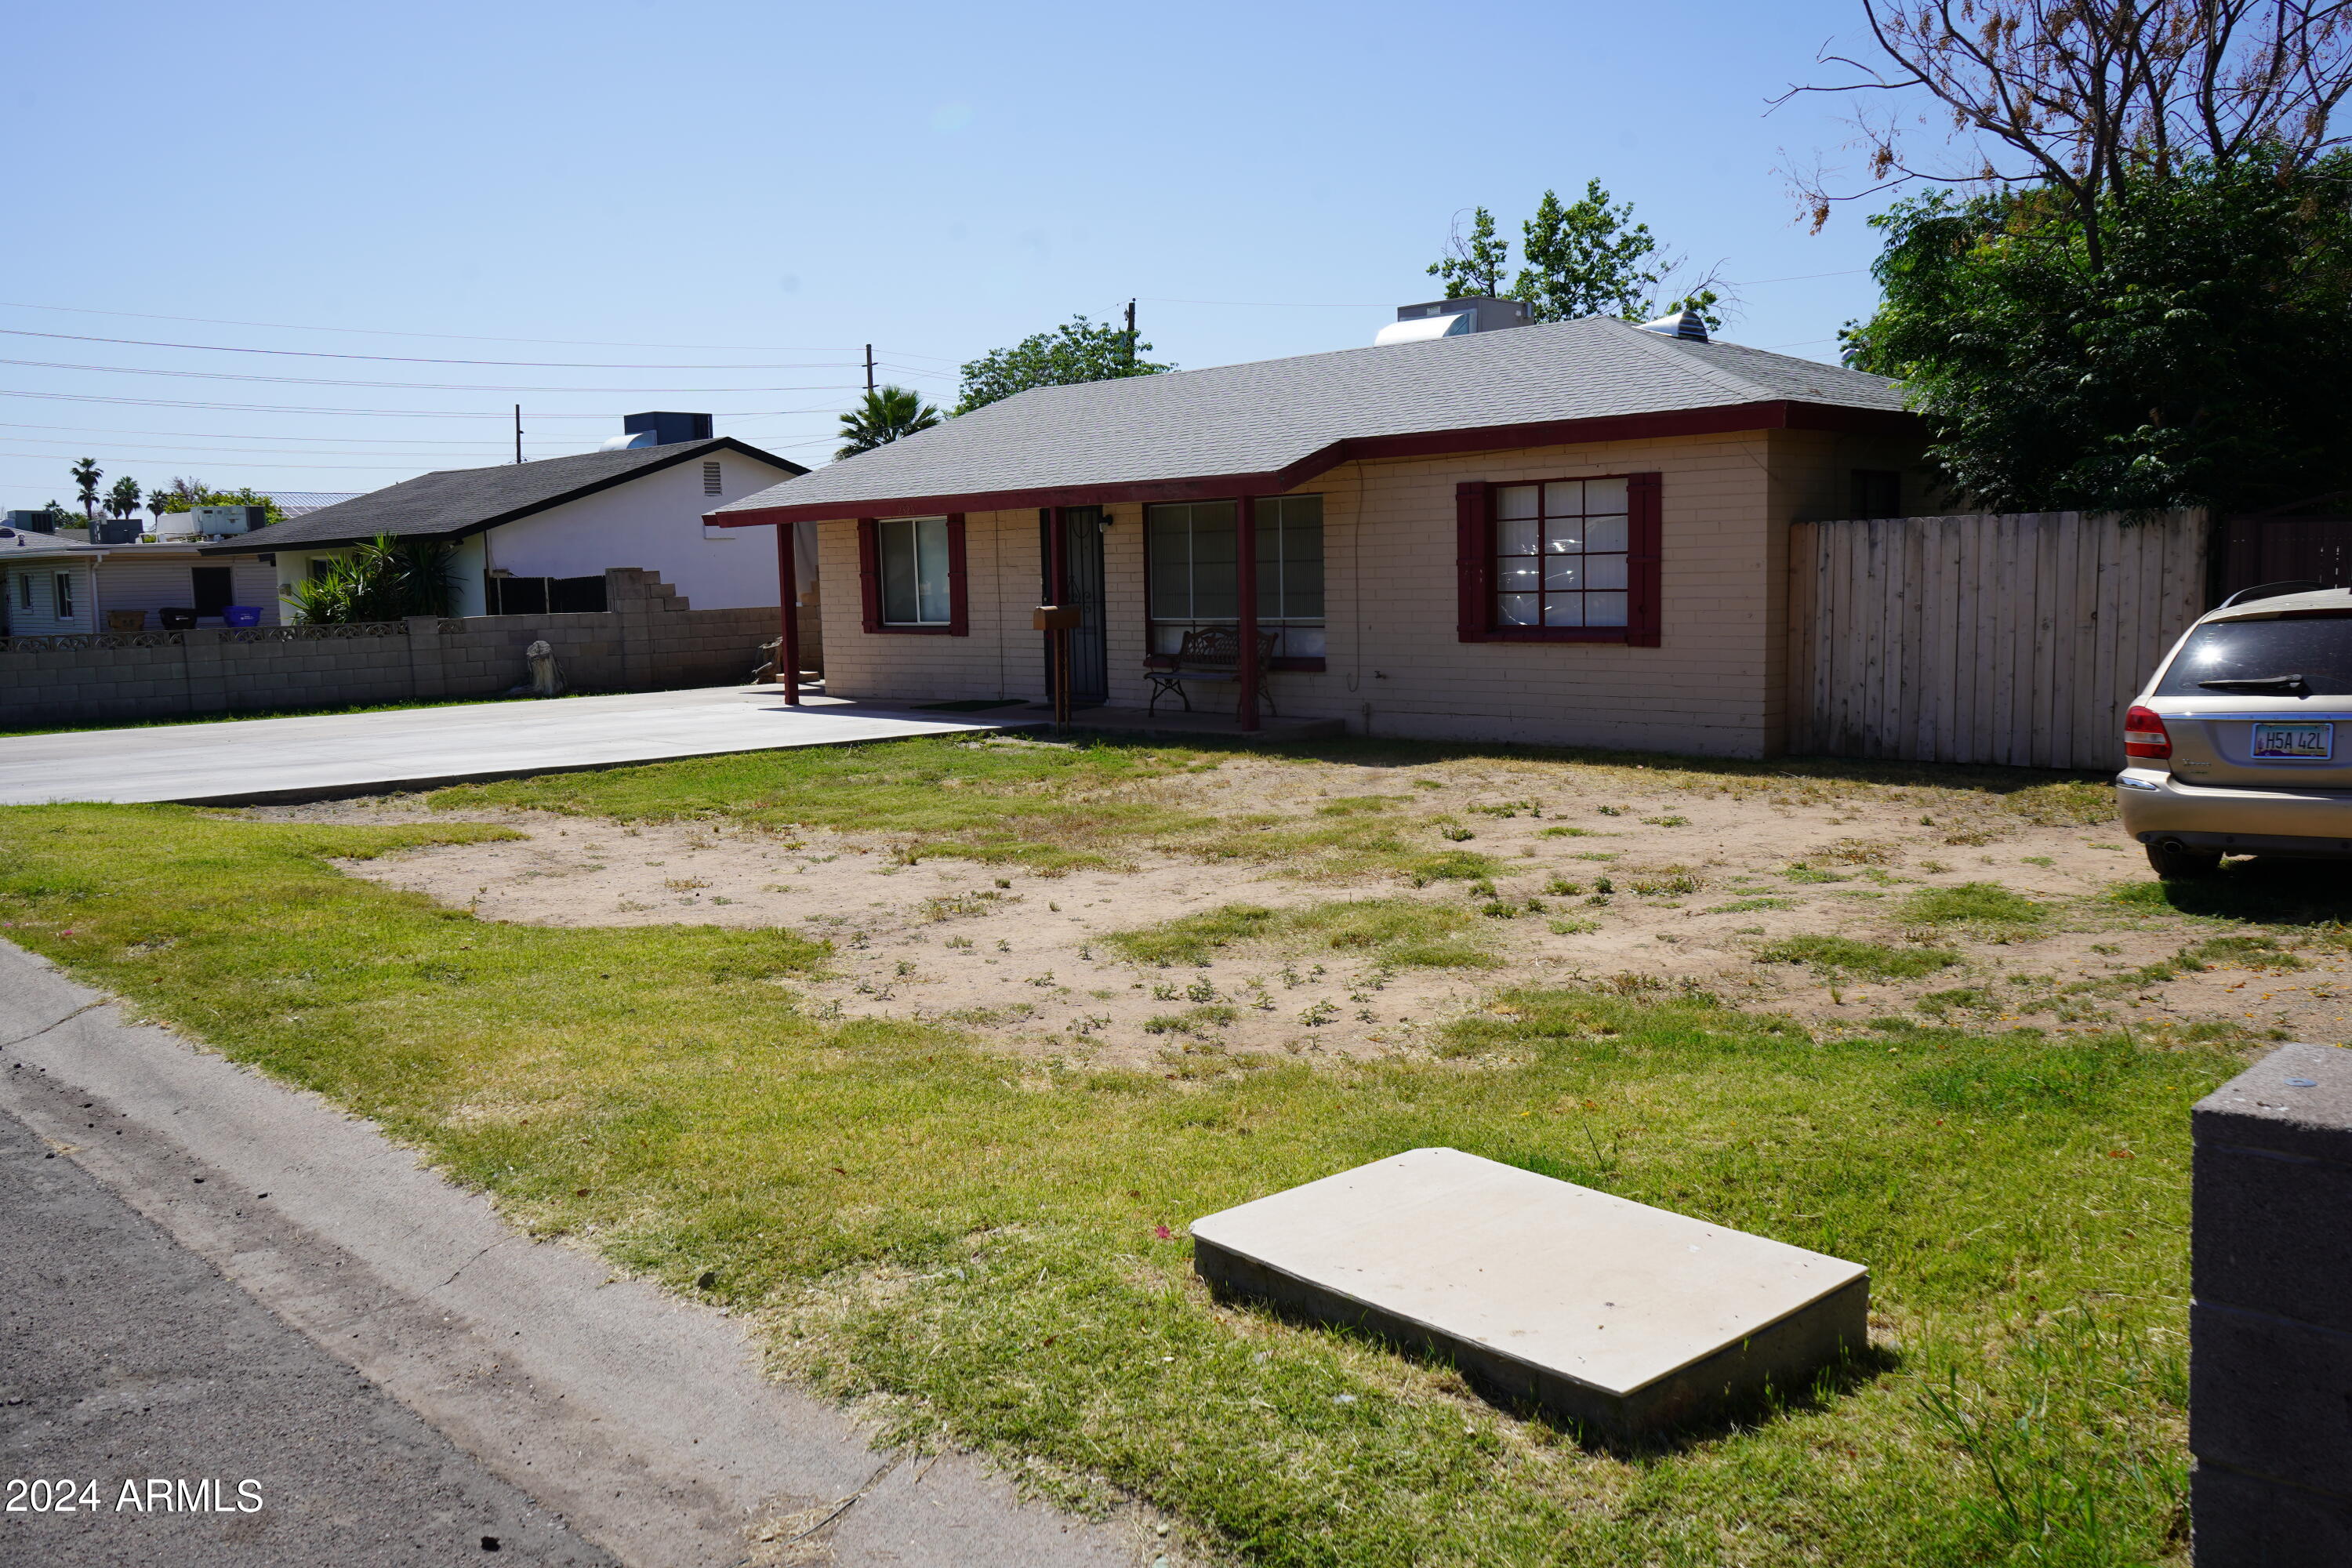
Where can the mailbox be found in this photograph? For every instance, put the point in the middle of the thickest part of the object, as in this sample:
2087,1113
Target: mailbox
1056,618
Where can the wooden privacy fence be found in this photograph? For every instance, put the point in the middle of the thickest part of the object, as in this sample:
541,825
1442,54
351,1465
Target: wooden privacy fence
2015,638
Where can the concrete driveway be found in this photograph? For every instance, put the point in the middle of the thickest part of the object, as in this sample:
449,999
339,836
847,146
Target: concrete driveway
255,761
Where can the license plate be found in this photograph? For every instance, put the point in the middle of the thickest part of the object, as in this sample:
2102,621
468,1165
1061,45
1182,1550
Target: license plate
2307,742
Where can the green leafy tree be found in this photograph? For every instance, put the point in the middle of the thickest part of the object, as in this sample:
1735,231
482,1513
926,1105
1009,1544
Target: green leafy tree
159,501
86,475
186,495
1586,258
1079,350
382,579
891,414
1474,263
123,498
2197,360
62,516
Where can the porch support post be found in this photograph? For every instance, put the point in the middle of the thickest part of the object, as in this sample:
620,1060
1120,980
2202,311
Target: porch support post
1245,603
788,592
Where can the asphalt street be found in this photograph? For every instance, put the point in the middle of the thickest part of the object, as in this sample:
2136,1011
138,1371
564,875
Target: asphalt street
126,1360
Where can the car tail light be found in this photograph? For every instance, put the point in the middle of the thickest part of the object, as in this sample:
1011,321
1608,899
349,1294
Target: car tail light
2144,734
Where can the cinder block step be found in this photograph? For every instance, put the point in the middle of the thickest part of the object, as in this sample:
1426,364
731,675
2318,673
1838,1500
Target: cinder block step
1621,1317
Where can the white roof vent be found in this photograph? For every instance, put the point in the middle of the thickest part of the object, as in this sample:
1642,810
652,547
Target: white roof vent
1685,324
1452,318
1421,329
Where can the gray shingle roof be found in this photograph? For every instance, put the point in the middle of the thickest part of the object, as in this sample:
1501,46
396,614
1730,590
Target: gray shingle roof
458,501
1270,415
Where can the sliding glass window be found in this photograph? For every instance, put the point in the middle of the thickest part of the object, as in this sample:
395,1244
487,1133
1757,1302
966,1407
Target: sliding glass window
1193,583
914,552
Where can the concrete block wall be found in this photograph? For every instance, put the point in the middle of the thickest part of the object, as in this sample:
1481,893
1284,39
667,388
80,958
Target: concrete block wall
650,639
2270,1326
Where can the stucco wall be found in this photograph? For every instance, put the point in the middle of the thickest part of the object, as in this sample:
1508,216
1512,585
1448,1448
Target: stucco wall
1394,665
652,523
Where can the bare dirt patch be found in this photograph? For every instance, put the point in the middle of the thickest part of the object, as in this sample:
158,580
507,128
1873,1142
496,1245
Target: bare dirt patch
1640,879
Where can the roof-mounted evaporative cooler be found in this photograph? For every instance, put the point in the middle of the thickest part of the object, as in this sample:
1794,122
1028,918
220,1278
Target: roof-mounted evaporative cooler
1452,319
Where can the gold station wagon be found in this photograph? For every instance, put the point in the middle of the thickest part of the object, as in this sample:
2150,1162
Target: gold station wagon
2241,744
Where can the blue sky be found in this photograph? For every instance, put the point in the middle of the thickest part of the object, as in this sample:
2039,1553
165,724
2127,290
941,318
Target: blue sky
775,186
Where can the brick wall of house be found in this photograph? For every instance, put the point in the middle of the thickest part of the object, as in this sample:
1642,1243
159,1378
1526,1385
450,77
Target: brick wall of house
1394,665
649,640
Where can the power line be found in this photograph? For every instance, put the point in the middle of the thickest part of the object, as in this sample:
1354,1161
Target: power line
74,450
232,436
397,386
448,337
499,415
408,359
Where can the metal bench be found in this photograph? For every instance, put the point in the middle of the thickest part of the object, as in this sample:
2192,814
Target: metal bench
1208,653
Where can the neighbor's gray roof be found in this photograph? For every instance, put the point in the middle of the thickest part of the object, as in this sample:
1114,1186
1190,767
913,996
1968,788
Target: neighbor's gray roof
458,501
300,503
1275,416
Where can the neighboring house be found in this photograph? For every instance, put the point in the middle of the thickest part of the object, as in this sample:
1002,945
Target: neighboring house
536,538
57,583
1573,533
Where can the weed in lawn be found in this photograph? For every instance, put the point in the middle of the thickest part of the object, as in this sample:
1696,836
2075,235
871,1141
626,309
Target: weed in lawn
1742,906
1979,903
1192,1021
1844,955
1571,833
1802,872
1396,932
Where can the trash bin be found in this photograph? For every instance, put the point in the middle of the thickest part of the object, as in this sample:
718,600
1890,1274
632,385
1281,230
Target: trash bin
177,619
126,620
241,615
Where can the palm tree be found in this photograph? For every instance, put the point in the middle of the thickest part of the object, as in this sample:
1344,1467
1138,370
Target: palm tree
889,415
123,498
159,501
86,475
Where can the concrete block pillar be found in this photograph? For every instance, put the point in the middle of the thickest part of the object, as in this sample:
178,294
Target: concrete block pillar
427,676
2270,1329
208,680
628,594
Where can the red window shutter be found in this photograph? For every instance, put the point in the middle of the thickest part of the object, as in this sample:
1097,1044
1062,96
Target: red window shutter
1474,559
958,598
870,573
1641,563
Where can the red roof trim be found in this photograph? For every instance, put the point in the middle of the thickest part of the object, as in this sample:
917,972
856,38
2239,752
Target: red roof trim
1779,414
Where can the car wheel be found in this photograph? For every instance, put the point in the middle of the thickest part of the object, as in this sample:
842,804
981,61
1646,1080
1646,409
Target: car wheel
2174,860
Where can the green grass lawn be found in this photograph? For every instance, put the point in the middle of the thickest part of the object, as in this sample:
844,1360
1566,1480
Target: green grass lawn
993,1249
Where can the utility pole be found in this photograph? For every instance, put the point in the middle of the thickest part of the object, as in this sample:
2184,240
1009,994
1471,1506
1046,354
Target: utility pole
1130,336
518,432
869,369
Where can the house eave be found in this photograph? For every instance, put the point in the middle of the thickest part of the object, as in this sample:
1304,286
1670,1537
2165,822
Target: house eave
1729,419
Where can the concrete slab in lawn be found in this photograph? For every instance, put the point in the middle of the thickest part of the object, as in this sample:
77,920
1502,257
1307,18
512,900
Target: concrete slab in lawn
251,762
1612,1313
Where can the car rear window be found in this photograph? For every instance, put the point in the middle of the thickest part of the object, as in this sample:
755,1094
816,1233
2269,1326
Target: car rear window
2318,648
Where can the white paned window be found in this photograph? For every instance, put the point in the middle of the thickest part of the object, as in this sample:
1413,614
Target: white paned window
64,596
23,590
1560,553
914,552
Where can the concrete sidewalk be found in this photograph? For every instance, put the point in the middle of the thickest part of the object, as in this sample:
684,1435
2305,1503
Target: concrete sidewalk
641,1421
254,762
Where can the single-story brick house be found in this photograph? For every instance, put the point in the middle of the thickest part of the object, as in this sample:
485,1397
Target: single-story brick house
537,538
1573,533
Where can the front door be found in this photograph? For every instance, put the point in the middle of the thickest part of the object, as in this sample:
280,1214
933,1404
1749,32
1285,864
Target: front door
1079,582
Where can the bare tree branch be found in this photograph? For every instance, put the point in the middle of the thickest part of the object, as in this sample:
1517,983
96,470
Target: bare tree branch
2088,93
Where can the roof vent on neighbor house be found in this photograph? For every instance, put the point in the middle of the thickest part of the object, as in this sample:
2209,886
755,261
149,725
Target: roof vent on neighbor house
1452,319
1685,324
659,430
